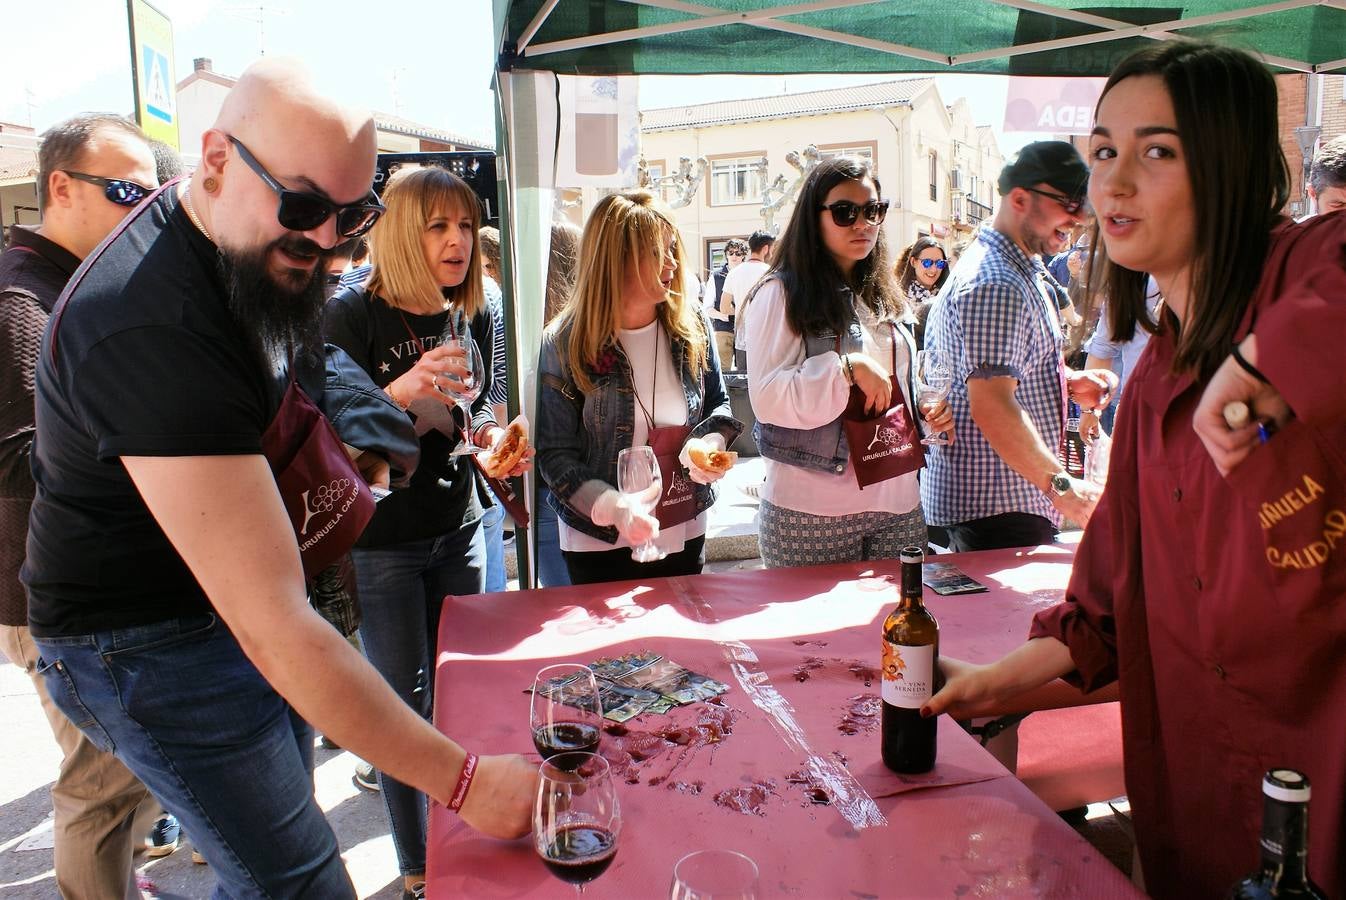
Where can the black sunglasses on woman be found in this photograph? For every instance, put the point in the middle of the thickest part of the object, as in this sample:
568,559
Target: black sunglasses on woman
845,212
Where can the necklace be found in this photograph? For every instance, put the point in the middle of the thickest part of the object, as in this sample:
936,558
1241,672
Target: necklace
191,213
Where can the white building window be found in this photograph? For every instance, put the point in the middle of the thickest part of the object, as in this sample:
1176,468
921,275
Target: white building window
735,181
866,151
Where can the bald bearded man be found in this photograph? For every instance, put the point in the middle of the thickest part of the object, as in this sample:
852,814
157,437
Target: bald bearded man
167,591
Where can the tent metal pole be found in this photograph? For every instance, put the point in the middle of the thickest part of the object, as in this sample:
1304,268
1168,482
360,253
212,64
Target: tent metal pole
1142,31
821,34
743,18
536,24
1330,66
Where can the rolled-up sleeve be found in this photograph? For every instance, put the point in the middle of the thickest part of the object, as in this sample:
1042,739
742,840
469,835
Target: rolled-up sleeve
1299,328
1107,565
996,328
784,387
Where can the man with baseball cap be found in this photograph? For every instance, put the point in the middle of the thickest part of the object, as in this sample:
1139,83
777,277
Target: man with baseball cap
1001,484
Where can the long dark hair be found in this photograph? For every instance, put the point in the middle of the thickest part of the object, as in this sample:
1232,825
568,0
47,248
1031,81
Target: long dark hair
814,301
1225,104
906,274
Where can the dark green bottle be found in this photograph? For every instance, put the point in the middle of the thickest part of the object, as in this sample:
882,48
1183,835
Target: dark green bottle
908,672
1285,841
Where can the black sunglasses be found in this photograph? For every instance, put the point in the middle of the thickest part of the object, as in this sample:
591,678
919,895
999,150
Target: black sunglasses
1071,205
304,211
937,263
844,212
120,192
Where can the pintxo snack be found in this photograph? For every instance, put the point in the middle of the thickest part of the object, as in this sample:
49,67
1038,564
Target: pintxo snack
509,452
704,456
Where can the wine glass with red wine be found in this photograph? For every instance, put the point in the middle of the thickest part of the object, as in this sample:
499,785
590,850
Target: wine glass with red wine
576,818
566,714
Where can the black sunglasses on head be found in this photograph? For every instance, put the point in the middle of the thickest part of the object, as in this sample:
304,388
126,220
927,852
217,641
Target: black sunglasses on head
119,191
1071,205
305,211
844,212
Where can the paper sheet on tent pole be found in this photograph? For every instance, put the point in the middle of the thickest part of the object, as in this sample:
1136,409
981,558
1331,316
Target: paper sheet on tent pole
599,142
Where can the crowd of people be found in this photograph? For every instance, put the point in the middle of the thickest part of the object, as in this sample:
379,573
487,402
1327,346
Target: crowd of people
207,425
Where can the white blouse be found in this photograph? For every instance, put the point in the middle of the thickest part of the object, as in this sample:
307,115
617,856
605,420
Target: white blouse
788,390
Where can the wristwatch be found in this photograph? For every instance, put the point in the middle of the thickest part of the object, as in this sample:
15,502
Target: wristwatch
1059,484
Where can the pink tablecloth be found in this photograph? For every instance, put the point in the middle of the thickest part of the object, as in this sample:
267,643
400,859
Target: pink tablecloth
794,780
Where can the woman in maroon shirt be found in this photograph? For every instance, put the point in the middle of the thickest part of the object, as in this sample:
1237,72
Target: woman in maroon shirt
1211,582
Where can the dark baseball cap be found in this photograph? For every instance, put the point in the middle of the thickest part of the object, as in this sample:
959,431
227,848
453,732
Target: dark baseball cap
1056,163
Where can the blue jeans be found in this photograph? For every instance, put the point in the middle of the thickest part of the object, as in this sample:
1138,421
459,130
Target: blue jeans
180,704
493,524
551,567
402,590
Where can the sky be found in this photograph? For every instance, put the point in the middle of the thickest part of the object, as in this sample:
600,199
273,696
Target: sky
432,65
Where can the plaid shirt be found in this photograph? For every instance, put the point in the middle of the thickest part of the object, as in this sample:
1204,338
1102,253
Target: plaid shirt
995,316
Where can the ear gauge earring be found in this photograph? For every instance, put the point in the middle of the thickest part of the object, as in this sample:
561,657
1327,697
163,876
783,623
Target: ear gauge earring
210,184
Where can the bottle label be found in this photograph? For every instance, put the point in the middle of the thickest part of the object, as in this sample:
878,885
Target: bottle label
908,675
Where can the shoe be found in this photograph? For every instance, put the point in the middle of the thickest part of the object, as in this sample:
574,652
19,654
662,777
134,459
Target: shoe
197,857
163,837
365,777
415,892
328,744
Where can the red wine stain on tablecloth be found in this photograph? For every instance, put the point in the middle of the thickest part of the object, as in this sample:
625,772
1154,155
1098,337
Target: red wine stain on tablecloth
861,714
750,800
633,751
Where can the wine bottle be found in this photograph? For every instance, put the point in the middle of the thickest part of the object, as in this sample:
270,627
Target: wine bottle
910,661
1285,841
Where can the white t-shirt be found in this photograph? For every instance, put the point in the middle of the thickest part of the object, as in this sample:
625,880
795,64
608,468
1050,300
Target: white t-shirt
739,283
669,408
789,390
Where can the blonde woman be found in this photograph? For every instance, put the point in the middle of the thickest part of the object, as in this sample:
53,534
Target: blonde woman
628,363
425,541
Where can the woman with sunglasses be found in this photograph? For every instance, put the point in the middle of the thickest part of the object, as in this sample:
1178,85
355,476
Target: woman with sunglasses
828,331
921,271
425,541
1209,583
628,363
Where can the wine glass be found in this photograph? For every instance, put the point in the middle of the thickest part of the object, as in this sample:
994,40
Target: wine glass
576,817
1096,459
714,875
467,389
565,713
639,479
934,380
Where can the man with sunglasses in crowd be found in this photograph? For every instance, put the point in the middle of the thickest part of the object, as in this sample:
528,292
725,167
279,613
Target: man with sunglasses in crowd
1001,484
721,317
92,169
737,287
167,594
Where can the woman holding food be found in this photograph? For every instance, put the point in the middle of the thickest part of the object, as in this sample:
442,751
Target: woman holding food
425,541
831,382
627,363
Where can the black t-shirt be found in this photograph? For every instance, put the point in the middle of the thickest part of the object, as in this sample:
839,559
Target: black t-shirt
141,358
386,342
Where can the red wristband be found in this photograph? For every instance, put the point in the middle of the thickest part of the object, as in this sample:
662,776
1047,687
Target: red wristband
464,782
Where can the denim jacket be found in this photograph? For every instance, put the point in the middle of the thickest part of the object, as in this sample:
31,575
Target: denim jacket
825,448
579,433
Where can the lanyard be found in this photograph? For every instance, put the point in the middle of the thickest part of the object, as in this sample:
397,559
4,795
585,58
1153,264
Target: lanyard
654,385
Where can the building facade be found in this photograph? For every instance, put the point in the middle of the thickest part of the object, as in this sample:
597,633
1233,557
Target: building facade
937,167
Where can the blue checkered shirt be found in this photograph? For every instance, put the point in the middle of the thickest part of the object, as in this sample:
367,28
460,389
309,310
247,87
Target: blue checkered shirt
994,316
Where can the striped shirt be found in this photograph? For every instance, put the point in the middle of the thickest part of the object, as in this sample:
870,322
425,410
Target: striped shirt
996,315
499,390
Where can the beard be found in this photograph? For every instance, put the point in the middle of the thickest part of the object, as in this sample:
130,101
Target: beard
282,316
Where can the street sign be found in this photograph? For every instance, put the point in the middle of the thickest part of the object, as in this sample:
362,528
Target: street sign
152,71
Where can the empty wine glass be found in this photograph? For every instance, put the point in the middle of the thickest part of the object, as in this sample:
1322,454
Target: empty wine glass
934,380
714,875
467,389
1096,458
639,479
565,714
576,817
